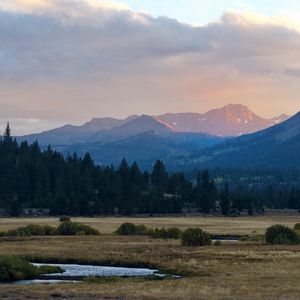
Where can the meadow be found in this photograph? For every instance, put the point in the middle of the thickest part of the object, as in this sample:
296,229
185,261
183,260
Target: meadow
214,225
243,270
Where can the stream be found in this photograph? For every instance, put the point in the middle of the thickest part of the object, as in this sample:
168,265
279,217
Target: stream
76,273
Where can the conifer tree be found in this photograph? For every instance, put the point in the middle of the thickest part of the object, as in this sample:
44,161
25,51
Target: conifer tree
225,202
7,134
159,177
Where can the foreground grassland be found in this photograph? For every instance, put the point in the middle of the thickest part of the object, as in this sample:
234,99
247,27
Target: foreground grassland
230,271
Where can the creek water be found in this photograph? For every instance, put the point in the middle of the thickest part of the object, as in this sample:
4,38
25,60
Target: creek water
75,273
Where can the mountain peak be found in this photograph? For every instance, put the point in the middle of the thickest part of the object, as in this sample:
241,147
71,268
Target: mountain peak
151,123
229,120
235,107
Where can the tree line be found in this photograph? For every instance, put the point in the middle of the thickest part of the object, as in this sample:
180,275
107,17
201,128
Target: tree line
72,185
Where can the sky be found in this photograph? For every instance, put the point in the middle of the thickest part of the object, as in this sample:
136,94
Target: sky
67,61
202,12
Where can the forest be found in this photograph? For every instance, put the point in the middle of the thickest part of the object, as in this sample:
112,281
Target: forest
72,185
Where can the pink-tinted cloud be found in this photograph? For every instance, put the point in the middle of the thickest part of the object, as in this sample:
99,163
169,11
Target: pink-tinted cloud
67,61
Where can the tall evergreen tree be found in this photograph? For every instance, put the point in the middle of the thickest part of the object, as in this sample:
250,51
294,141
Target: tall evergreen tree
7,134
225,201
205,193
159,177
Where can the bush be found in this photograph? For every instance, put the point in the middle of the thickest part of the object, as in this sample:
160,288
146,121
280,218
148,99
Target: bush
195,237
64,219
281,235
141,230
174,233
162,233
65,228
132,229
31,229
297,226
74,228
13,268
126,229
158,233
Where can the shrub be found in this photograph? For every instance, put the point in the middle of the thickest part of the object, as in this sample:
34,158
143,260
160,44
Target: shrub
132,229
174,233
126,229
74,228
281,235
162,233
49,230
141,230
65,228
195,237
159,233
297,226
64,219
31,229
14,268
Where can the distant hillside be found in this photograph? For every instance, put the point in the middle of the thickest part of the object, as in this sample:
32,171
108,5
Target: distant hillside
145,148
230,120
277,147
134,127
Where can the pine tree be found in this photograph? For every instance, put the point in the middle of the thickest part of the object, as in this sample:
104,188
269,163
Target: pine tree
205,193
7,134
159,177
225,202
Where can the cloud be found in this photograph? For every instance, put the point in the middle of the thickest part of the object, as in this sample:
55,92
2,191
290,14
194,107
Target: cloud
38,6
86,58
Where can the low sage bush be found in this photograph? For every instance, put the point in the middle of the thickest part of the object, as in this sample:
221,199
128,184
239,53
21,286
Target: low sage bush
74,228
281,235
195,237
65,228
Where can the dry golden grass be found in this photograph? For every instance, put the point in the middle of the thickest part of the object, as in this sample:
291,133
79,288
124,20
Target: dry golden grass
230,271
214,225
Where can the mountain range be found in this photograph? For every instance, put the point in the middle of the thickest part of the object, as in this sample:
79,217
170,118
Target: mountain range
275,148
170,136
230,120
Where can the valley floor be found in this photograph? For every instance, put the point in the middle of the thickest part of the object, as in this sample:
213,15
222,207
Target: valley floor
243,270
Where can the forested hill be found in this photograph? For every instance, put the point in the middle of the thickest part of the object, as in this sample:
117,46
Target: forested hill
275,148
31,178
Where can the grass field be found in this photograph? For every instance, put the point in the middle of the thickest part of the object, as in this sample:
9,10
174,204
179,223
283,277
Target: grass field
231,271
214,225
